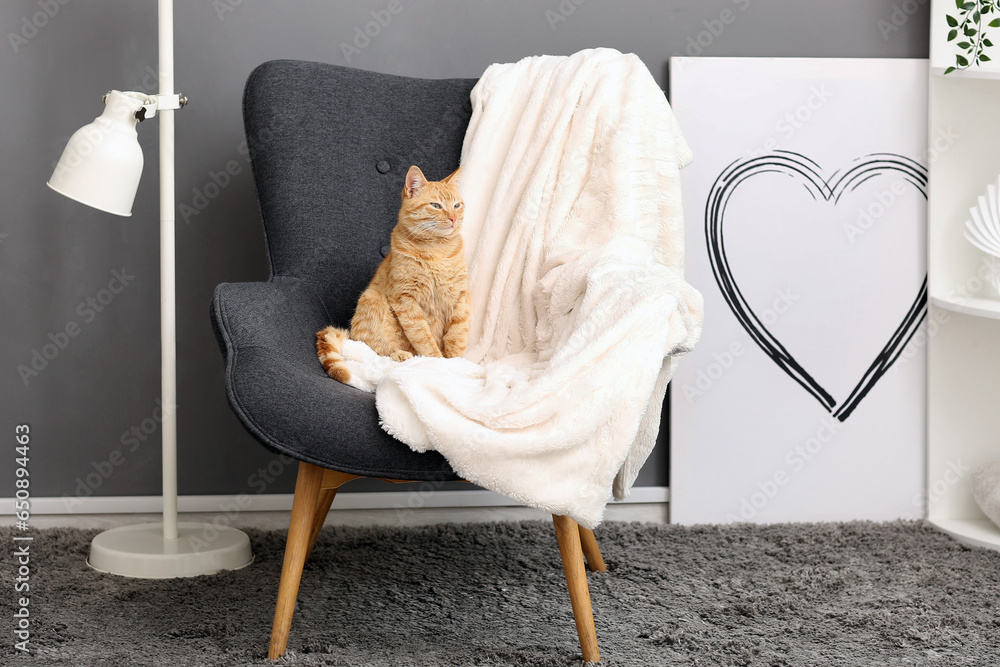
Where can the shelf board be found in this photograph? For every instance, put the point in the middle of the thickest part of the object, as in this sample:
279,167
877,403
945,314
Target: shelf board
971,73
978,306
973,532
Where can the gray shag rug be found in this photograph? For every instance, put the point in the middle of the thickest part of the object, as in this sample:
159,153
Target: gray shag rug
853,594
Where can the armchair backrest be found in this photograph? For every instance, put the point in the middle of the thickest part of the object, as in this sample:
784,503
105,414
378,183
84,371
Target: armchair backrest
329,147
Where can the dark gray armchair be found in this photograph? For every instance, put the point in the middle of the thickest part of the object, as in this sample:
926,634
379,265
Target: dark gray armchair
329,148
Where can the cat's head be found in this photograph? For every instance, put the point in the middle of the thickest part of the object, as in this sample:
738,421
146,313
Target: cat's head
431,209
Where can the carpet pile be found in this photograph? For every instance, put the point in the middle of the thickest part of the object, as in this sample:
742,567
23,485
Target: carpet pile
852,594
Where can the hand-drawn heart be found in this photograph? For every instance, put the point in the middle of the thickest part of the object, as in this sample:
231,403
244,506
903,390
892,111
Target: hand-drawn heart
829,189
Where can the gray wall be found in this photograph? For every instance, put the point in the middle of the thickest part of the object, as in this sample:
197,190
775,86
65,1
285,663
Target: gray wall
56,254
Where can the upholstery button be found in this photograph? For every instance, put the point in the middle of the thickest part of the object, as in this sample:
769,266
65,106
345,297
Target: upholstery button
382,166
385,250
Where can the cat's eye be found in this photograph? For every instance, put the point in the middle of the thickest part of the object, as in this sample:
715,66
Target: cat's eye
458,205
435,204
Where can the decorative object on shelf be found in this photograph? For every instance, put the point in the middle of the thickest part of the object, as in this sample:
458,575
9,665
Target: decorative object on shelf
968,24
983,229
986,489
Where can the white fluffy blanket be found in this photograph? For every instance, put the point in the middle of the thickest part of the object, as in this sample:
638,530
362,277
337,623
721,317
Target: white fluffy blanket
574,236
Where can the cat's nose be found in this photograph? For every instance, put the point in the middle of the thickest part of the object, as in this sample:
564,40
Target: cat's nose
452,218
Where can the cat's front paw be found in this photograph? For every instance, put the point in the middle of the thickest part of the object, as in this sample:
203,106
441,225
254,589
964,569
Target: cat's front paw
401,355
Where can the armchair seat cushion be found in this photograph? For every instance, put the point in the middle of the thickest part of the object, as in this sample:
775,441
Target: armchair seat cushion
279,391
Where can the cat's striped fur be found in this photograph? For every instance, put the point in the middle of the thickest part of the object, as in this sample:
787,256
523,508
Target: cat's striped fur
418,301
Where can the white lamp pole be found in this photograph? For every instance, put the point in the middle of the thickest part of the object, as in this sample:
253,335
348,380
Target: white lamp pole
100,167
168,314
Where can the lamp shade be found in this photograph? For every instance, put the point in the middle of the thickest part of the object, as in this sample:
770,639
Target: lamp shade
102,162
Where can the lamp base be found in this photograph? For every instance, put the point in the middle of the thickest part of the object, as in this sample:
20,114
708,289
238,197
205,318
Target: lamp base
140,551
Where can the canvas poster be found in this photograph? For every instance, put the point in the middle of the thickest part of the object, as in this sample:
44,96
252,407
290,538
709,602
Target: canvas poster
805,214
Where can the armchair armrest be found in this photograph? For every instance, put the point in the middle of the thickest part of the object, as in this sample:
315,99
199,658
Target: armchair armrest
281,315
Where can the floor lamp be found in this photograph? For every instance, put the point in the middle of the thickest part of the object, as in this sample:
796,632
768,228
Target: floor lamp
101,167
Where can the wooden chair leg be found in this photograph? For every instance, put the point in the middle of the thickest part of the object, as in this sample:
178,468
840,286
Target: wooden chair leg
590,549
307,491
326,497
568,534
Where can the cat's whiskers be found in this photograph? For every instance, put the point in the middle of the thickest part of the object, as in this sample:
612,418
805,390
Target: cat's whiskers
412,230
424,226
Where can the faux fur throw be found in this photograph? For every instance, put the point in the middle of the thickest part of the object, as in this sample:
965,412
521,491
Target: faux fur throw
574,235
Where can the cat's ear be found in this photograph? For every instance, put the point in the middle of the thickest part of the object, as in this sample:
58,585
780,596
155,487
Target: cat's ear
415,181
454,177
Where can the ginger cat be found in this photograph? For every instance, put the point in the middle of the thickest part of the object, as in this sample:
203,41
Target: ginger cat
418,301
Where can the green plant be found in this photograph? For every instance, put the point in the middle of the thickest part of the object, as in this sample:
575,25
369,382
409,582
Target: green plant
968,23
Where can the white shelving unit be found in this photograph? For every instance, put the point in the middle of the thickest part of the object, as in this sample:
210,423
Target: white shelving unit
964,342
